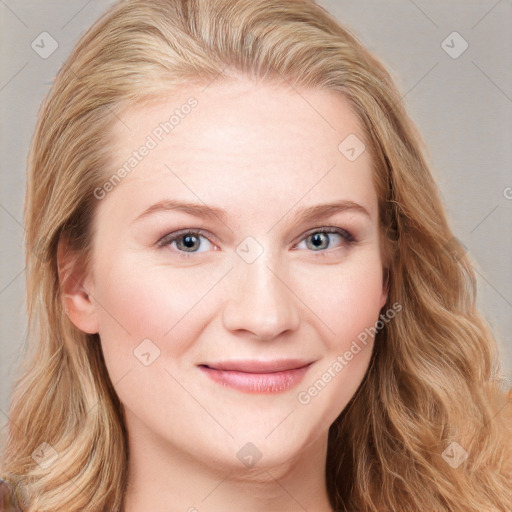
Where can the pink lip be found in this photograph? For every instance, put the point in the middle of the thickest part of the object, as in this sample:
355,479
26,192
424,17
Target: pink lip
257,376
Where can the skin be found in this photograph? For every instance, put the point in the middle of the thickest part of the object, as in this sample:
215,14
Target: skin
262,152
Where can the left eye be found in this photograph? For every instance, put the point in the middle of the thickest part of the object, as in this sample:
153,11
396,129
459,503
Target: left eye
187,242
320,239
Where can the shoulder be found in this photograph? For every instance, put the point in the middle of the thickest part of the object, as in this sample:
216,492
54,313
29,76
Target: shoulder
8,501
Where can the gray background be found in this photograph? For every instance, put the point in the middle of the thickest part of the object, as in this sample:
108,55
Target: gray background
462,106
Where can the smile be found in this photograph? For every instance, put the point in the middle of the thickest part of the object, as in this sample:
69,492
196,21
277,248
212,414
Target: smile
257,376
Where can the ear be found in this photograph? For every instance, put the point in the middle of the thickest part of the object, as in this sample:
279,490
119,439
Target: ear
75,288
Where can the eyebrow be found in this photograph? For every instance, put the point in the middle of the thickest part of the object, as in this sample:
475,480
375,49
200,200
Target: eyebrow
209,212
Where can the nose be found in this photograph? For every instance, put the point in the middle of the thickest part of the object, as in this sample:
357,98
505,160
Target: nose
261,301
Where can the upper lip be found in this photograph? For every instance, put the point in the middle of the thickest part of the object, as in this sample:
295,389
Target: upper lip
258,366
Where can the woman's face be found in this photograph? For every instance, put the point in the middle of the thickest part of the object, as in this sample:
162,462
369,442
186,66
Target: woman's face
240,331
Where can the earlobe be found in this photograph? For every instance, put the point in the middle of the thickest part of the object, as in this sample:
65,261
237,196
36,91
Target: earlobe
75,292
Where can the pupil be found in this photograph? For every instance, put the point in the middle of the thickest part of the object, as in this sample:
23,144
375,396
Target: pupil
189,241
317,238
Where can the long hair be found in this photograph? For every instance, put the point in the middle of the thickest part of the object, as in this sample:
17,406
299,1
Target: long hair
434,376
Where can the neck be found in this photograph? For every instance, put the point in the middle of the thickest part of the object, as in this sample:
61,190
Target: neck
163,478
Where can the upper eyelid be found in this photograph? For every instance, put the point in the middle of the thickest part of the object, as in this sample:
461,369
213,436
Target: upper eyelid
327,229
181,232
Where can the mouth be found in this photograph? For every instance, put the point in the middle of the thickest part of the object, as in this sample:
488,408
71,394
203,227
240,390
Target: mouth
254,376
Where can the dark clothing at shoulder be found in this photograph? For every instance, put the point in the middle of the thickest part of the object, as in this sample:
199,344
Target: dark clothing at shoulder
8,501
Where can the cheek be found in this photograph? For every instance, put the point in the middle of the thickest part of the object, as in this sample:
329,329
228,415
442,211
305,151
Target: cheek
345,299
138,302
350,304
355,318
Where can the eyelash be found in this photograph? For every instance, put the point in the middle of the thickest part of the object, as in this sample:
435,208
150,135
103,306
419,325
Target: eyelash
173,237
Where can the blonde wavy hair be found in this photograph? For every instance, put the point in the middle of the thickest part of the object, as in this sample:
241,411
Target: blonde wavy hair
434,377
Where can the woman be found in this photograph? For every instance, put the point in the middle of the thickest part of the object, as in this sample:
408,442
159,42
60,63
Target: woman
243,291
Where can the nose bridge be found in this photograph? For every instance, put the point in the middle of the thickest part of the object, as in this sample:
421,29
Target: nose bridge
260,300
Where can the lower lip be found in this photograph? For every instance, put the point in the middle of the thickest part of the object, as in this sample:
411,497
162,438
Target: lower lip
275,382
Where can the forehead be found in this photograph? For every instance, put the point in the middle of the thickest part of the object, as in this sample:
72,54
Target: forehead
241,142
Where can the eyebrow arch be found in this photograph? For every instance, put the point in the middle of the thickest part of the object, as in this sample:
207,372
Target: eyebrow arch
203,211
196,209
